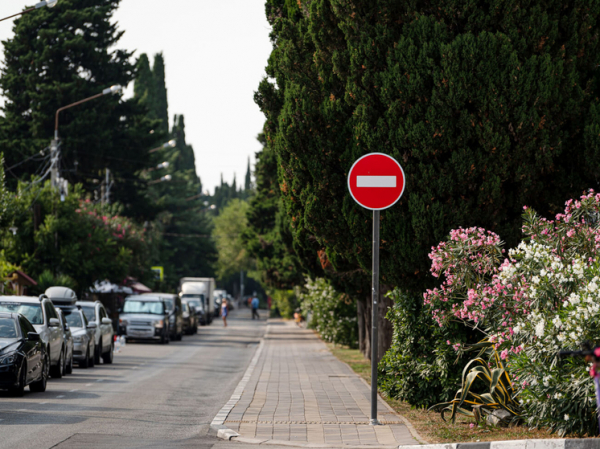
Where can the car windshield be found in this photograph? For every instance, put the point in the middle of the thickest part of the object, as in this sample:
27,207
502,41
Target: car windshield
33,312
8,328
89,312
73,318
138,306
194,303
169,304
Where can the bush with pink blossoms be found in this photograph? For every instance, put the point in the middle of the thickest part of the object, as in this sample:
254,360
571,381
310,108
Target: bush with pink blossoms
543,297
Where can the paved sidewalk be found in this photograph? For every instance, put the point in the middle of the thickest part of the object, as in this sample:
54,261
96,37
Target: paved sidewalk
299,392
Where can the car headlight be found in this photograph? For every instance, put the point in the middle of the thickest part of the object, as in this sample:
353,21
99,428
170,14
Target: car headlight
78,339
159,324
8,359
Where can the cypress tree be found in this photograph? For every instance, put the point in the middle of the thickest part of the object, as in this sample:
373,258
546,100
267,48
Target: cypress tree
268,238
59,56
488,105
160,105
144,87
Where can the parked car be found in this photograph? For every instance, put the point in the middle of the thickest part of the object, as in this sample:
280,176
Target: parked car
145,317
23,357
190,322
173,307
43,316
68,336
105,334
197,305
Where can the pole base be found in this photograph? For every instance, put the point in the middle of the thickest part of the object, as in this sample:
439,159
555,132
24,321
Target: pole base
374,422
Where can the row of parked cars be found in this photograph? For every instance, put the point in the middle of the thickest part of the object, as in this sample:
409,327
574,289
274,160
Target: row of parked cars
45,336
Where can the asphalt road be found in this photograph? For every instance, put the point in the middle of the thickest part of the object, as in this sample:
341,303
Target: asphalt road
152,396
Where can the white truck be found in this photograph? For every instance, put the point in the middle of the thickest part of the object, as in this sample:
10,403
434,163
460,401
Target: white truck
201,289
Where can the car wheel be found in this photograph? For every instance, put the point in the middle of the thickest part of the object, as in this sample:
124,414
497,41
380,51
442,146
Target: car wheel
57,371
85,363
97,353
39,386
69,367
19,389
108,357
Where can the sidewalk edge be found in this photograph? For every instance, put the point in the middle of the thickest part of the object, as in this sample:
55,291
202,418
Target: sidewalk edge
218,423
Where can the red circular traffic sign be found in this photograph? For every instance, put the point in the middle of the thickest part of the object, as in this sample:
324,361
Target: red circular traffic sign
376,181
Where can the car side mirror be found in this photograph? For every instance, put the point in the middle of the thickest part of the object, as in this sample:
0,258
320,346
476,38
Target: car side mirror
106,321
91,325
54,322
33,336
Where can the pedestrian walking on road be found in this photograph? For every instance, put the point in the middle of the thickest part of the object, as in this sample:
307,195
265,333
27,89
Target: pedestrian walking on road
224,312
255,308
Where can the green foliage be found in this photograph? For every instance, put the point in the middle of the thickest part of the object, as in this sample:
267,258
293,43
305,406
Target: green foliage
284,301
74,238
500,394
48,279
56,57
230,224
487,105
268,237
420,368
332,315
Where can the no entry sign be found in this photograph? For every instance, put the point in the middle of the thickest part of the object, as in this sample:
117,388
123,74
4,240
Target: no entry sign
376,181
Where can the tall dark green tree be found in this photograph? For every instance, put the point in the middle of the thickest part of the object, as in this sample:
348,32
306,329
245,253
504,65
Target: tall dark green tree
488,105
59,56
268,237
161,104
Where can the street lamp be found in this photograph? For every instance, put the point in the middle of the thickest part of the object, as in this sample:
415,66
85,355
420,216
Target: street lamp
162,179
169,144
48,3
54,147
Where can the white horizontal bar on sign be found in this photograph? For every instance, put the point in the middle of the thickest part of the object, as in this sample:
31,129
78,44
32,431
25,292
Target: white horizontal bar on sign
375,181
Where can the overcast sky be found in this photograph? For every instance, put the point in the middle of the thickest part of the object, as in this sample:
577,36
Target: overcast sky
215,53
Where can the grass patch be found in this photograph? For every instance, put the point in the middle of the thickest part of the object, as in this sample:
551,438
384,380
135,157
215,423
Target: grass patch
429,424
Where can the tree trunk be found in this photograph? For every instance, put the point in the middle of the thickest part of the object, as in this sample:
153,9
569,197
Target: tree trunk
364,325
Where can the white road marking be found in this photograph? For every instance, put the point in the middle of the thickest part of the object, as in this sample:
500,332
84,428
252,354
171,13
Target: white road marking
42,403
376,181
72,391
88,385
60,396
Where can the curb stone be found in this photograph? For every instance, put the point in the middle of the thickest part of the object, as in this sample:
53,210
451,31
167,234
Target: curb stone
587,443
217,426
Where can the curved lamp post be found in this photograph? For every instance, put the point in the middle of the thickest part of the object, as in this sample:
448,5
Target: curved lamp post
170,144
54,147
48,3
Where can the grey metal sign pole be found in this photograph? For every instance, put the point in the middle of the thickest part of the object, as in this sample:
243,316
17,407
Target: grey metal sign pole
374,316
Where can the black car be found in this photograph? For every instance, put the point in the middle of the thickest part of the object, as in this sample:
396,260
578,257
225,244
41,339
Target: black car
23,357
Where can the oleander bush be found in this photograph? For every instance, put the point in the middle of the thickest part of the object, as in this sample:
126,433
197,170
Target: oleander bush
543,297
332,314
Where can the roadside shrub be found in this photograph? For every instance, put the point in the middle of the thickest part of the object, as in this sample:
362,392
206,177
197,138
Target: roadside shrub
420,368
332,314
284,301
544,297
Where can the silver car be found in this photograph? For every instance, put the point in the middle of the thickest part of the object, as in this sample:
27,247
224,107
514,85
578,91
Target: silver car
44,317
104,333
84,345
68,337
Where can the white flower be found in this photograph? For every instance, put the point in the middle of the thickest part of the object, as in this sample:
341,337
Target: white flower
539,329
535,280
566,417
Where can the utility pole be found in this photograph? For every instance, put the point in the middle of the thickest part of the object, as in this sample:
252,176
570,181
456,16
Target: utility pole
107,186
54,161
